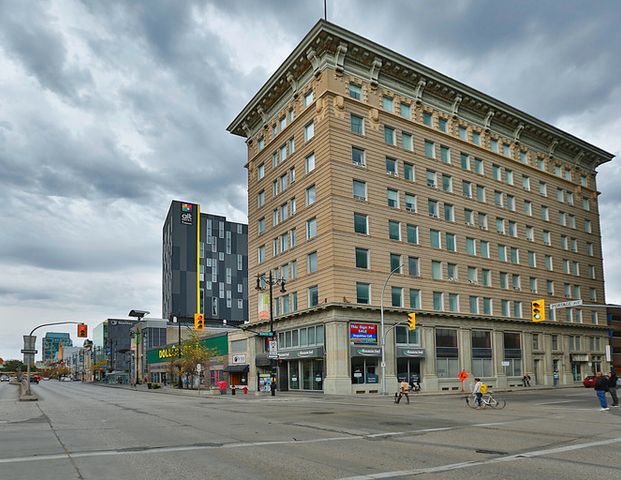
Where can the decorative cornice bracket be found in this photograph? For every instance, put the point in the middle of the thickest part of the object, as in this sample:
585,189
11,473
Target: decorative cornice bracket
456,104
262,113
294,84
341,50
374,72
418,94
517,133
552,147
314,59
488,120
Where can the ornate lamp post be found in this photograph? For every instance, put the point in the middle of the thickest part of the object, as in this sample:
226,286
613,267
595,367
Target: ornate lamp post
270,282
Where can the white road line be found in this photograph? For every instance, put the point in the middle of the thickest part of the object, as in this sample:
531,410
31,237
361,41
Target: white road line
509,458
554,403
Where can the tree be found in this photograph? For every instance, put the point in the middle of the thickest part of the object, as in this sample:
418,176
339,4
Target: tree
194,352
14,366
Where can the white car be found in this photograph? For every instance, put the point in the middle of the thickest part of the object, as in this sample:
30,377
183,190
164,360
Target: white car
4,378
65,379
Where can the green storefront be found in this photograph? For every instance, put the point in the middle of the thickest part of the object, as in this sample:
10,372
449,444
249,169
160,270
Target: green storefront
160,362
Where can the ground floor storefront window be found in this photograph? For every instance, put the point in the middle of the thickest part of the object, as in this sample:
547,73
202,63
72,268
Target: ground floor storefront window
364,370
447,353
513,354
408,369
305,374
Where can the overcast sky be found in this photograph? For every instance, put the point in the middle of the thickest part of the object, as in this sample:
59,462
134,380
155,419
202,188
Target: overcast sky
111,109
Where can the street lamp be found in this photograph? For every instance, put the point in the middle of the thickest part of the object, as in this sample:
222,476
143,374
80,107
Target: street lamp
271,282
398,267
139,314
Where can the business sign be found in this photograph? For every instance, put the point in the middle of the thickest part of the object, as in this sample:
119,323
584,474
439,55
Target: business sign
410,352
313,352
366,351
239,359
363,332
186,214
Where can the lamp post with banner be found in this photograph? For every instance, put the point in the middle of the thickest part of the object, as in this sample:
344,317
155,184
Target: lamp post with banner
262,285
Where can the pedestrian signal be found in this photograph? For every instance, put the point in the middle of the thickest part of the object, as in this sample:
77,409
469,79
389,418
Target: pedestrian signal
82,330
199,321
538,310
412,321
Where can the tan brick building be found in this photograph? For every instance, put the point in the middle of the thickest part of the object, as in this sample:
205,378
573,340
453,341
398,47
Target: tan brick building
369,172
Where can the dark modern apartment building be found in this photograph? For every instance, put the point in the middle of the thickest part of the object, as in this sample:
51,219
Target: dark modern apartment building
204,265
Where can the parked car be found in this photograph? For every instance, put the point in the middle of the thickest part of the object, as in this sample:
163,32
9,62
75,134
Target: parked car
4,378
589,381
65,379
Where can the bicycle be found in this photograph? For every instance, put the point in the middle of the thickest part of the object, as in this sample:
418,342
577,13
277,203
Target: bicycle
487,400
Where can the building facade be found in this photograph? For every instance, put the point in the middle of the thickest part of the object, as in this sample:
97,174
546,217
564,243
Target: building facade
51,345
378,187
205,266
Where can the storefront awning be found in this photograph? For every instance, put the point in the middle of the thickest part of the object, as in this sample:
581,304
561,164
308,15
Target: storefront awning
236,368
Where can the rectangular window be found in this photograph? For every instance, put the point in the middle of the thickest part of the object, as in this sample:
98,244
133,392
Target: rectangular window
361,223
396,294
310,163
362,258
394,230
415,298
428,119
486,277
360,190
447,351
447,183
445,154
357,124
387,103
310,195
412,234
430,149
476,138
410,202
408,171
436,270
313,296
392,198
309,131
464,160
363,293
391,167
389,135
463,133
438,301
451,242
407,141
311,228
311,262
405,110
357,157
434,239
355,91
487,306
442,125
413,266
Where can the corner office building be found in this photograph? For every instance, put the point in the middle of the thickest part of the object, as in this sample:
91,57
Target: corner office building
204,266
369,172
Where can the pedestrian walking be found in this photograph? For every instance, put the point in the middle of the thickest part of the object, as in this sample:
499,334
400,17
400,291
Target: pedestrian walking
526,380
613,380
601,387
477,391
273,386
404,390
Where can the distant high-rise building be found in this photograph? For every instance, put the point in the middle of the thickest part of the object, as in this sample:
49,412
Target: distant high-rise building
51,343
204,265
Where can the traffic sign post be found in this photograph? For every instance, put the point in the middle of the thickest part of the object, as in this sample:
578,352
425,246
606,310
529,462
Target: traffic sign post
572,303
266,334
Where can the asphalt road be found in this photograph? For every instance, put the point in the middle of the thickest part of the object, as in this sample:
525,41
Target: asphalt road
81,431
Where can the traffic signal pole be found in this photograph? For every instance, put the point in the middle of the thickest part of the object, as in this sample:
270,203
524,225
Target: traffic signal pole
32,351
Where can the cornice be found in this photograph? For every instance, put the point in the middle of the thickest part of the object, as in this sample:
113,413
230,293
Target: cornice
328,45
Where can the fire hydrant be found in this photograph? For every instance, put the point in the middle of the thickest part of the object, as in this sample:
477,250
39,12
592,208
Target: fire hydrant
245,390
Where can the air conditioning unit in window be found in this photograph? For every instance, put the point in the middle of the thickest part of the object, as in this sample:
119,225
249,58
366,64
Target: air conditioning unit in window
392,174
533,291
432,185
359,197
433,215
410,209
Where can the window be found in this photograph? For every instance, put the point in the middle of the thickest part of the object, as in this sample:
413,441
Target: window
261,254
361,223
453,302
451,242
549,263
395,263
387,103
308,98
478,166
504,308
394,230
524,158
261,198
496,172
261,225
310,163
473,304
355,91
588,227
541,164
309,131
443,125
432,207
363,293
415,298
260,171
545,213
473,275
481,353
547,238
484,248
362,258
310,195
512,228
500,225
528,208
291,115
407,141
430,149
360,190
412,234
464,160
506,150
466,189
526,183
261,144
447,183
438,301
432,179
445,154
543,189
404,110
391,167
515,255
502,253
487,306
393,198
396,295
480,193
503,280
476,138
498,198
311,228
389,135
471,247
357,157
311,262
447,352
434,239
486,277
449,212
357,124
532,259
427,119
413,266
463,133
493,145
589,249
532,282
313,296
468,216
408,171
508,176
436,270
451,271
410,202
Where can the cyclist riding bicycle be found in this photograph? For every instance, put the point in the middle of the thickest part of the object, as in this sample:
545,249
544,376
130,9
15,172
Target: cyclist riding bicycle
477,391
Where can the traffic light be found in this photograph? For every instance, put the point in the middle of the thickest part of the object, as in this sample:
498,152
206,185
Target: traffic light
412,321
82,330
538,310
199,322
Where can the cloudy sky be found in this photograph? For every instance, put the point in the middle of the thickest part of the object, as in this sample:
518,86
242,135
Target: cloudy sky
111,109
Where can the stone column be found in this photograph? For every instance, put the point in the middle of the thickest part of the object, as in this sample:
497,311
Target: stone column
498,349
337,381
429,380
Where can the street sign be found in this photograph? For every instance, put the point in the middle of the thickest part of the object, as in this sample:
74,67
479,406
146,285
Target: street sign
571,303
266,334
